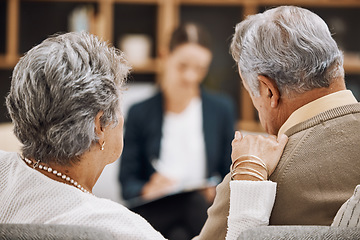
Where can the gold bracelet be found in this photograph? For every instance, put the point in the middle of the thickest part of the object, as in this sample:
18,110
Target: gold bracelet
252,170
265,166
247,173
249,159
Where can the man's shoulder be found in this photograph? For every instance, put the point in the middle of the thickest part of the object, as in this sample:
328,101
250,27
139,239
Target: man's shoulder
338,117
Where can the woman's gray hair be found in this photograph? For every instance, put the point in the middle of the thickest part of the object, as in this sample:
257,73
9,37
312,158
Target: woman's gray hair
58,88
290,45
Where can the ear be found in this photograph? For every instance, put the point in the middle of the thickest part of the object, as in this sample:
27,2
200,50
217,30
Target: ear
99,130
269,88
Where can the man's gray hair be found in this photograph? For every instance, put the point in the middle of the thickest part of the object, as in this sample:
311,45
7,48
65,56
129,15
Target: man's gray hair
290,45
58,88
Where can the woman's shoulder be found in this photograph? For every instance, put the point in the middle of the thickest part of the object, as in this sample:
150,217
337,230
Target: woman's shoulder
215,96
150,102
7,156
8,162
5,153
152,105
112,216
217,100
98,203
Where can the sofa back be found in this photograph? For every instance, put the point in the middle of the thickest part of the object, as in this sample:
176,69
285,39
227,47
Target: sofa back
300,233
53,232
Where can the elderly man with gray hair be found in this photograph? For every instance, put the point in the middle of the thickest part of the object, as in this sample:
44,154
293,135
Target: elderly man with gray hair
293,71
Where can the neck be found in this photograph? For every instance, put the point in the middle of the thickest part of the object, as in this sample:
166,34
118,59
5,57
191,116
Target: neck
84,172
289,104
176,100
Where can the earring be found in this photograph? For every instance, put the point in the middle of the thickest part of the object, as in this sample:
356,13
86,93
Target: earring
102,146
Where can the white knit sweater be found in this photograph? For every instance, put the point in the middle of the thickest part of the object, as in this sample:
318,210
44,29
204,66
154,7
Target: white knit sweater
28,196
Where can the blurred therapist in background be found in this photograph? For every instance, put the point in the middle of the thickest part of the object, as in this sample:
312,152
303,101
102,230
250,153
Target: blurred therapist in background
178,139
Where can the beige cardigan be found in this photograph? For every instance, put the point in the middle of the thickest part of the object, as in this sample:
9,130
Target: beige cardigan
316,174
319,169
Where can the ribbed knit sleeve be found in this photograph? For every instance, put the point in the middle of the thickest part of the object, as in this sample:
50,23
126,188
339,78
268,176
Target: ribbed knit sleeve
251,203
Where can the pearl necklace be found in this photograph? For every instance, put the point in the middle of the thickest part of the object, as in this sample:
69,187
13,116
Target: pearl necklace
55,172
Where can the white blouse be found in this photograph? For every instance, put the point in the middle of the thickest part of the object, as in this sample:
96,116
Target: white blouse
182,152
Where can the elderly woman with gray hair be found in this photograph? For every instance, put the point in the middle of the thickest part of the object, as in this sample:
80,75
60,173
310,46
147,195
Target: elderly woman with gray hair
64,102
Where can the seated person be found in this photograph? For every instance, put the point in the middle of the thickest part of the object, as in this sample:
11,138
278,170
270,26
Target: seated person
178,139
65,106
293,71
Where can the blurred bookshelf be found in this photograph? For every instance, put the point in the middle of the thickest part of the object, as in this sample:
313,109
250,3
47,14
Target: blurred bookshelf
25,23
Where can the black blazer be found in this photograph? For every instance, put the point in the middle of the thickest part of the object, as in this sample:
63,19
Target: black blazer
143,132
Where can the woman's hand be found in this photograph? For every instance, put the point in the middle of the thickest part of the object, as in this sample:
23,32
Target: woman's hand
269,149
157,186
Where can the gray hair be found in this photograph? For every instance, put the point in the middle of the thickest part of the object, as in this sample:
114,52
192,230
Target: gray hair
290,45
58,88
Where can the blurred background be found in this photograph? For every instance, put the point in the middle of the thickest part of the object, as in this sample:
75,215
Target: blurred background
141,28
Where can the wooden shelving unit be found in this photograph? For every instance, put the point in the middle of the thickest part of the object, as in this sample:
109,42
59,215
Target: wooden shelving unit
168,14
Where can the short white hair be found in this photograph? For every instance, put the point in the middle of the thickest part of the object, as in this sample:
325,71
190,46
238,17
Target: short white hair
58,88
291,45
